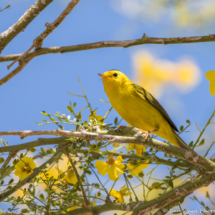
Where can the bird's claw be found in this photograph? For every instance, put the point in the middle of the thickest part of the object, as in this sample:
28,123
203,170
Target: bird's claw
120,128
142,133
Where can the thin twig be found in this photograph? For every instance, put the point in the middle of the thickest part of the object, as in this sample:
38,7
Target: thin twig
10,156
202,132
30,14
86,202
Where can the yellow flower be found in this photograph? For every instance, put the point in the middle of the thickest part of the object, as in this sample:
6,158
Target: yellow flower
118,195
155,74
69,176
111,166
116,144
24,167
136,169
92,117
210,75
138,148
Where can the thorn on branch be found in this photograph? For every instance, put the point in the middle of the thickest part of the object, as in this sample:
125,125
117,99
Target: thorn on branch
13,153
50,26
212,36
145,36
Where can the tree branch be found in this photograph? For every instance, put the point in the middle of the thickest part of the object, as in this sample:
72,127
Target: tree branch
108,44
23,22
142,208
14,72
37,43
187,155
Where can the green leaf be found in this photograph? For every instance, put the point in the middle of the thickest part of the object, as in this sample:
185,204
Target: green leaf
41,196
38,123
115,120
11,181
60,119
195,198
156,185
74,105
207,195
25,210
32,149
202,142
188,121
44,113
52,151
182,199
88,171
191,144
8,6
53,119
202,203
170,183
70,109
43,150
1,160
181,128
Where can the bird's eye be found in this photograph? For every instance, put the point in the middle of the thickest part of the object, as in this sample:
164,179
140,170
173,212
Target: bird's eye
115,74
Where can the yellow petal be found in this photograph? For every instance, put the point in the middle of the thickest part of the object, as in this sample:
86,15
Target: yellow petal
115,145
124,190
119,160
140,149
117,195
23,175
130,146
112,173
210,75
99,118
212,87
71,177
102,167
24,167
119,168
136,169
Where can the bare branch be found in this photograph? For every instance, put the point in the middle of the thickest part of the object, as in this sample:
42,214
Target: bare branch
38,42
10,156
14,72
107,44
86,202
23,22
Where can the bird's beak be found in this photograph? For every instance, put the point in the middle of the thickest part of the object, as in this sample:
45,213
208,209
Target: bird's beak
101,75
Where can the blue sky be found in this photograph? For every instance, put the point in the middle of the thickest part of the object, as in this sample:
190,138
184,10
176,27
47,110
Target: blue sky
44,82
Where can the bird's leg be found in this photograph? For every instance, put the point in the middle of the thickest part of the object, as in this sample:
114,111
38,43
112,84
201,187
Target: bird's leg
147,133
120,128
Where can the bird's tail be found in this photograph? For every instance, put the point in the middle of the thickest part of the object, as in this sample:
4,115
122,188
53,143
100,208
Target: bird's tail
181,143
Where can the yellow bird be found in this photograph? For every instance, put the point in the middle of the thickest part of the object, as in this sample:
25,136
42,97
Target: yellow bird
139,108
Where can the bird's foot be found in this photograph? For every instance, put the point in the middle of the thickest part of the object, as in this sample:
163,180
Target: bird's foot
120,128
145,133
142,133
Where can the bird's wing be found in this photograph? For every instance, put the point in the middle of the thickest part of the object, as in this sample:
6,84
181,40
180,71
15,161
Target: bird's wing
146,95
